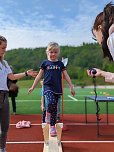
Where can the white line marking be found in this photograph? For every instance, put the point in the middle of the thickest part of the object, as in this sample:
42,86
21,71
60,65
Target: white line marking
26,100
25,142
72,141
77,124
40,100
87,141
31,124
72,98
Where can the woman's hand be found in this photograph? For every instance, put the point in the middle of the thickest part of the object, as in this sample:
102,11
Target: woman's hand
32,73
98,72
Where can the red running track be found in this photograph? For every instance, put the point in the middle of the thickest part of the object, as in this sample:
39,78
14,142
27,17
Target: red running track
79,136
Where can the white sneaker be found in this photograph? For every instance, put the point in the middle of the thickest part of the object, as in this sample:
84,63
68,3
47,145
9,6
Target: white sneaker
53,131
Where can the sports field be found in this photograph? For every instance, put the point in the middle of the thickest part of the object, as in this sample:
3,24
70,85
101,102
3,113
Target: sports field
30,104
79,136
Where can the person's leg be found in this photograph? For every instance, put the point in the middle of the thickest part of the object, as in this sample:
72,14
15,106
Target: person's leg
58,109
4,121
43,116
47,113
52,100
13,103
44,112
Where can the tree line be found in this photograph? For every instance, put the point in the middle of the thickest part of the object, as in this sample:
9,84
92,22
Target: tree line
80,59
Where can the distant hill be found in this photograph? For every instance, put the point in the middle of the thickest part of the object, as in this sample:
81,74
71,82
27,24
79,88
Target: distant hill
80,59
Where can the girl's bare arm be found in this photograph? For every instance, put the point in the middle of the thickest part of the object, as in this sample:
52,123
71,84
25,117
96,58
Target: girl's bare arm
38,77
67,78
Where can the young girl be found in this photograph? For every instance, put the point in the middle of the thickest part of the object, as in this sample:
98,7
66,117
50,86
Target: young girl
103,31
52,70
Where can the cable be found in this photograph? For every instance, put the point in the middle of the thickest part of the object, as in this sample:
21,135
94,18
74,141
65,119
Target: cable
97,105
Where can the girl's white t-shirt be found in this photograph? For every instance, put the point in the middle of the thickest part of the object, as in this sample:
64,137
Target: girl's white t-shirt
4,71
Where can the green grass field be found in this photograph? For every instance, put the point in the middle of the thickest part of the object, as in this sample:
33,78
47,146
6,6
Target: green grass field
30,104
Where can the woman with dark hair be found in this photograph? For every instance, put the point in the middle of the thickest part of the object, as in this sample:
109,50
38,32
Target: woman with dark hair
103,31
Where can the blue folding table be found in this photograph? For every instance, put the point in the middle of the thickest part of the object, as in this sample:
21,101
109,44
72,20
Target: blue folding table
98,99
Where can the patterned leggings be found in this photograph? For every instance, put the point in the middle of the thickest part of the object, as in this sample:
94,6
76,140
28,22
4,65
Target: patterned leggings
4,118
52,100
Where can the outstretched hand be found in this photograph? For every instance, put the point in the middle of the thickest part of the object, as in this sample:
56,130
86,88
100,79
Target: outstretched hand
32,73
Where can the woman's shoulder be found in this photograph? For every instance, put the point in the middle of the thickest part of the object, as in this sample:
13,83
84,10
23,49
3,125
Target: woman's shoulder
111,38
111,29
111,34
110,43
5,62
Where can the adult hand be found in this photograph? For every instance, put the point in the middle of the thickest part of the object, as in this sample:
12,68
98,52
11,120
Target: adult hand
98,72
32,73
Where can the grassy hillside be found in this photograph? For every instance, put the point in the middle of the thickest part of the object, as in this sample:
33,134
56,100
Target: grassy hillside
80,59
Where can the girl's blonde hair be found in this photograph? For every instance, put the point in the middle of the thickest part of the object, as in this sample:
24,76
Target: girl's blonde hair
52,45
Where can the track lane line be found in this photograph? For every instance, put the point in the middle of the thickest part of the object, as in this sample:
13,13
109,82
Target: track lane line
72,141
72,98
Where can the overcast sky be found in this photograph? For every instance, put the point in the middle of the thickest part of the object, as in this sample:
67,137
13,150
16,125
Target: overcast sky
35,23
